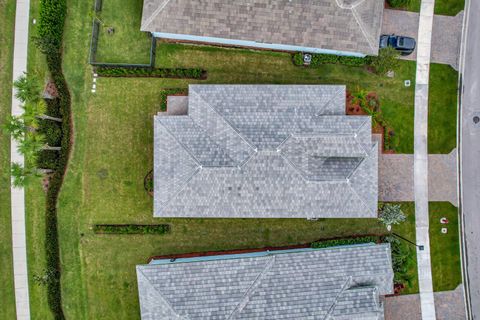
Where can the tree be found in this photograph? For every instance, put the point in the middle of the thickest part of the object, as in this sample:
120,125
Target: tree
37,111
15,126
27,89
391,214
387,60
30,146
22,176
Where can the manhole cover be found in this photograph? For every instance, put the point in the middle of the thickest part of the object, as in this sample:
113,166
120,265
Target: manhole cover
476,119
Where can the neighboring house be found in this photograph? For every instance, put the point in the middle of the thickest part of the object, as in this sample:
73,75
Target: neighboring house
341,283
265,151
342,27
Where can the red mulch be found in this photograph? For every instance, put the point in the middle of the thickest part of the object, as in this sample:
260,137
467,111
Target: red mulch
51,89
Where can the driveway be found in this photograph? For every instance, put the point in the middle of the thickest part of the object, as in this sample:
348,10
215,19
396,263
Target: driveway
449,305
395,177
446,37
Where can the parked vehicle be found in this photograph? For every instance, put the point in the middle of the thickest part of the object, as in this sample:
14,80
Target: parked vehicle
405,45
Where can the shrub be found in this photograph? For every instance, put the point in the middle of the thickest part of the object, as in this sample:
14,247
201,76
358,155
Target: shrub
50,25
386,60
400,262
399,3
52,131
194,73
48,159
343,242
391,214
319,58
53,108
131,229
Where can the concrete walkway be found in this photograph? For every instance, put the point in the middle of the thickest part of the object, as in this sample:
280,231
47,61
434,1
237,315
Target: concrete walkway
421,159
19,243
446,34
449,306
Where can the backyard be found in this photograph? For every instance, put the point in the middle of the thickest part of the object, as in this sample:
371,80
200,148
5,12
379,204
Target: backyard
113,152
7,14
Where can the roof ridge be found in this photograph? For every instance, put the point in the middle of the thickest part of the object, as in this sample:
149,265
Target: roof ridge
358,130
348,7
332,307
362,28
223,118
343,89
246,297
160,296
154,14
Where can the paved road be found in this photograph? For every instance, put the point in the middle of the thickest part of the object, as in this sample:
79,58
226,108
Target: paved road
19,243
470,156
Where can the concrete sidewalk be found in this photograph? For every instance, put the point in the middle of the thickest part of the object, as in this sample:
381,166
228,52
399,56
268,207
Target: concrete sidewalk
19,243
421,160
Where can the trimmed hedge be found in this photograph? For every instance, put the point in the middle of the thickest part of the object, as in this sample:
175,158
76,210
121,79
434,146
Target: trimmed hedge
52,131
50,25
319,58
194,73
53,108
131,229
343,242
48,159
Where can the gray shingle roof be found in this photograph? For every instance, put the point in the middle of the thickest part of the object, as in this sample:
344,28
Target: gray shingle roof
335,283
265,151
344,25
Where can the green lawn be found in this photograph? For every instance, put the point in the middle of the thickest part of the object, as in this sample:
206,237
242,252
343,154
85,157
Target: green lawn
442,109
442,7
126,44
445,248
7,297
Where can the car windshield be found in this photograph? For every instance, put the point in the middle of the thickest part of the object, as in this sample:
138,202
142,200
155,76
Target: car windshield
392,41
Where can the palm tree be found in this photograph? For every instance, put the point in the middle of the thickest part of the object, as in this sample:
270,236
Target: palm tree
22,176
30,146
27,88
15,127
37,110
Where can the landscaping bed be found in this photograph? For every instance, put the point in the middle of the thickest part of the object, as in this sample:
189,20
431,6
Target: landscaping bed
131,229
147,72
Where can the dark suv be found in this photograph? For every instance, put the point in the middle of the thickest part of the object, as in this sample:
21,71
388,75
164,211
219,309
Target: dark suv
405,45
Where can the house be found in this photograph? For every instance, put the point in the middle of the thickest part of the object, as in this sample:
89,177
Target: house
265,151
338,283
341,27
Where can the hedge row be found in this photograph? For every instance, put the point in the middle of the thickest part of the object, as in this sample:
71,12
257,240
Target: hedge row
52,131
53,107
131,229
50,25
48,159
194,73
343,242
49,40
319,59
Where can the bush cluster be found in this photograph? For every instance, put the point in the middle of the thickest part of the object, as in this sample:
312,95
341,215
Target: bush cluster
48,159
49,41
194,73
131,229
343,242
320,58
52,131
50,25
53,108
399,3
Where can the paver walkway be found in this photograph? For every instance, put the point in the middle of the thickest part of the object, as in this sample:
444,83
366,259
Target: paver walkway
446,35
19,243
421,159
449,306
